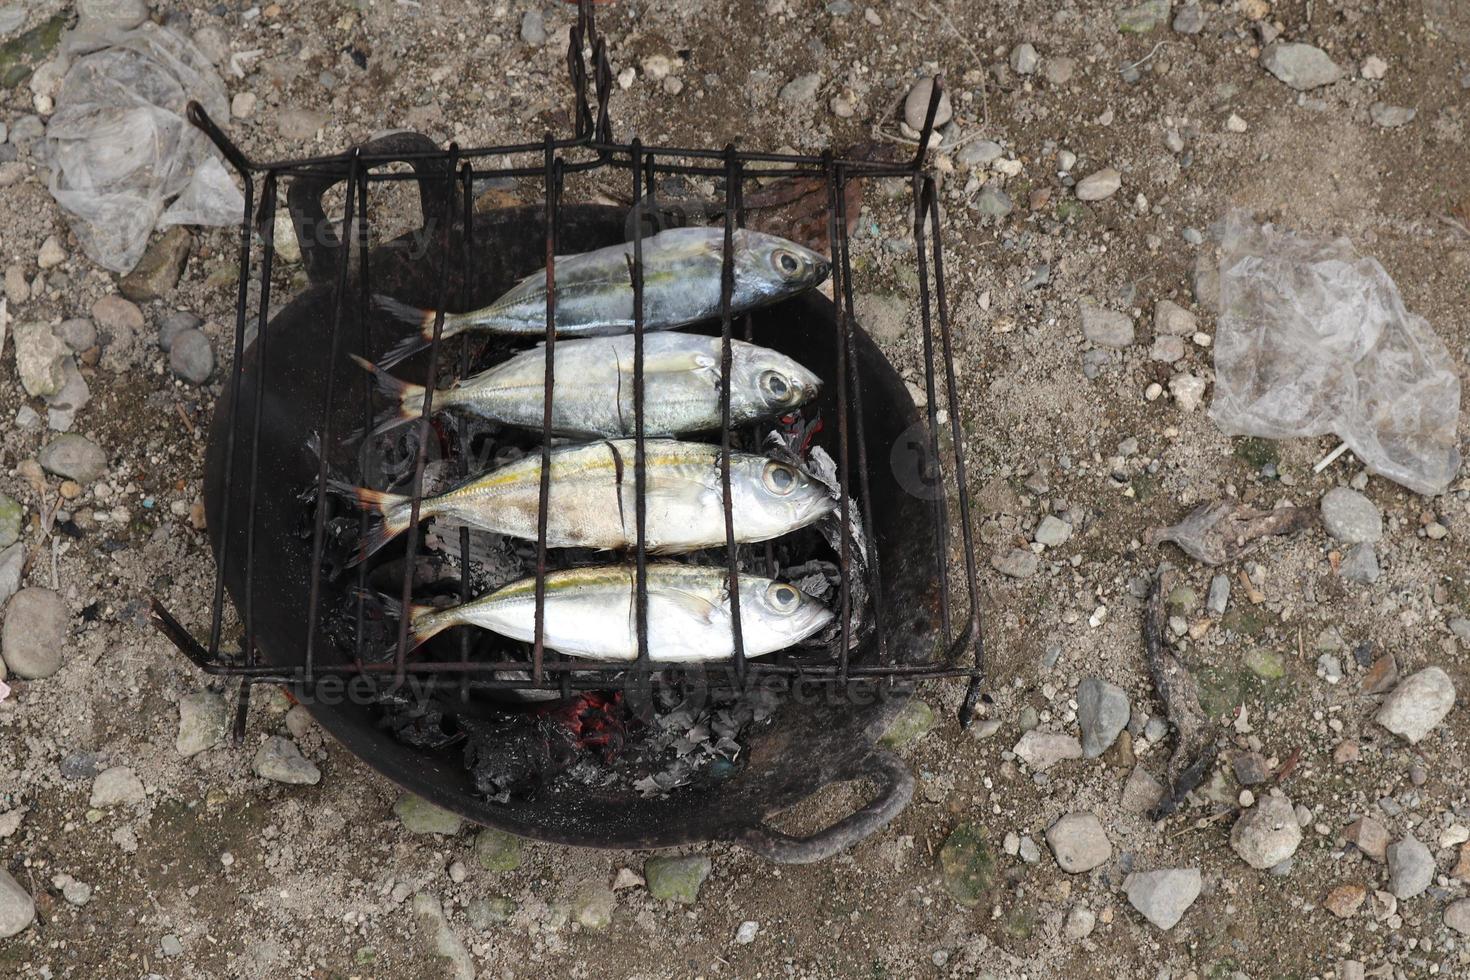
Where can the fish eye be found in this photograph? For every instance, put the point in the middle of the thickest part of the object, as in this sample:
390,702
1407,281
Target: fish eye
782,596
779,478
776,385
787,262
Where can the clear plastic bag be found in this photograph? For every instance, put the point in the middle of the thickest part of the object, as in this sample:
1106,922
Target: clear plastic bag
1313,338
121,147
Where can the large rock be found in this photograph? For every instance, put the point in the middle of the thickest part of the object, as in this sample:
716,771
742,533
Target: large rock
75,457
676,879
1162,897
1079,842
118,786
158,271
17,910
1301,66
1420,702
1106,328
12,519
1102,712
1267,834
419,816
103,15
279,760
1351,517
967,865
1410,867
497,850
203,719
435,927
1456,916
39,355
33,639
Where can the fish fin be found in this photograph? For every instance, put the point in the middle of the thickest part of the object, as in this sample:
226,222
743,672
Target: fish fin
421,319
408,397
695,605
390,513
423,625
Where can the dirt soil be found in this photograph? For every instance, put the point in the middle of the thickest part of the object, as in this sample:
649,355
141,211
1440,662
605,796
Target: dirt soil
217,872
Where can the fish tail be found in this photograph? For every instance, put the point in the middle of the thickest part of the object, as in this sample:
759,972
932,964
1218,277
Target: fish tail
424,621
408,397
423,322
390,512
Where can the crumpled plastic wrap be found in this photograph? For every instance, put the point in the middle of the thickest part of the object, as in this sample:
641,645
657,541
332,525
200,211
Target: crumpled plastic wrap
1313,338
121,147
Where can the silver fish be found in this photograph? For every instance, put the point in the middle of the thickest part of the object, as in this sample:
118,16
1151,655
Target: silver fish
593,495
594,386
590,613
594,290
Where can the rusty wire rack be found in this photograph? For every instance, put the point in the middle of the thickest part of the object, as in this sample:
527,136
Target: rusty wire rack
593,147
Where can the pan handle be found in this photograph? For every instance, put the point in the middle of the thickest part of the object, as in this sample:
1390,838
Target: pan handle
321,248
895,789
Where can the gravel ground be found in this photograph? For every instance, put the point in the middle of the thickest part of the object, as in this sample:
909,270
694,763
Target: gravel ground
1322,844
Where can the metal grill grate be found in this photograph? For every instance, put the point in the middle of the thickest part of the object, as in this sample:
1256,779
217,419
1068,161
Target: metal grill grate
591,148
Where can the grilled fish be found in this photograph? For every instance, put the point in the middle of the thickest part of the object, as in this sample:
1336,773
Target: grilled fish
593,495
594,386
590,613
594,290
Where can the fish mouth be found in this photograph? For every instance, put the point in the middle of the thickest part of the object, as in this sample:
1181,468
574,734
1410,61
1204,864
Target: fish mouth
821,269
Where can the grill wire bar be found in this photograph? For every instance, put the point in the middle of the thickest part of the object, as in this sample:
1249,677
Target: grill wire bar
593,148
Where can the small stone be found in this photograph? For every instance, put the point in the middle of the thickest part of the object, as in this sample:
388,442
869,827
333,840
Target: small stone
157,272
533,27
100,16
118,786
1266,834
593,907
190,357
1373,68
1235,123
1346,753
429,912
1416,705
242,106
497,850
1024,59
279,760
173,324
967,865
1099,185
117,317
78,333
1250,768
1382,676
203,719
1141,792
51,254
1301,66
1079,843
1015,563
1080,923
979,153
12,520
17,289
300,125
1058,72
676,879
1390,116
1190,19
913,722
993,201
1167,349
171,945
1171,319
1410,867
419,816
62,407
1042,750
1027,850
17,910
801,89
39,355
12,565
1053,532
916,105
1350,517
1219,595
1368,836
1102,712
1106,328
746,933
1162,897
486,912
1144,17
33,636
77,893
75,457
1456,916
1344,900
